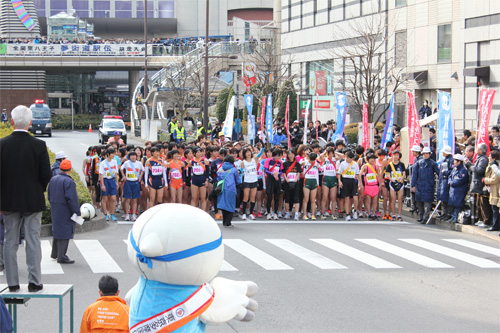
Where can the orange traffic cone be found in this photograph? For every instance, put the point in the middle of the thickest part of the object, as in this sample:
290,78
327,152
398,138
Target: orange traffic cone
90,128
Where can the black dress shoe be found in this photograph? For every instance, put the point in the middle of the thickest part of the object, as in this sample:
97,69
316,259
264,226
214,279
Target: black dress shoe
14,288
66,261
34,287
491,229
419,220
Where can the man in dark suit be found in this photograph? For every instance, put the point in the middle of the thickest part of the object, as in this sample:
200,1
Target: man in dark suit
24,176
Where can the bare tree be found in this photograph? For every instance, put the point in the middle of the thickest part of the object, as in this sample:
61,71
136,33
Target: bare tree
372,61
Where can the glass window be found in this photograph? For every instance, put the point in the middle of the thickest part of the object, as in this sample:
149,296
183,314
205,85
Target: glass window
166,5
140,13
444,43
123,14
82,13
54,102
66,103
100,13
101,5
123,5
58,4
400,3
78,4
140,5
166,14
40,4
400,49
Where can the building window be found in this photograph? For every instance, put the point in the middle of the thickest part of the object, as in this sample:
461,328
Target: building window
40,8
101,5
400,49
140,9
166,9
400,3
444,43
123,5
123,13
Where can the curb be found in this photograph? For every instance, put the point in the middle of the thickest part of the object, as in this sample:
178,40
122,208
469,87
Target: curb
469,229
97,223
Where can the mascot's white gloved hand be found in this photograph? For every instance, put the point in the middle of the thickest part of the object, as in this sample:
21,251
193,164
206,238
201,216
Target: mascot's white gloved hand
232,301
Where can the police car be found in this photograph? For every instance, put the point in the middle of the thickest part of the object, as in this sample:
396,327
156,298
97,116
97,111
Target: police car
109,125
42,118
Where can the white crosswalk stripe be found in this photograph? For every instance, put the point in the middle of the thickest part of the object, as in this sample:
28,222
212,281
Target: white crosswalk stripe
49,266
462,256
305,254
99,260
227,267
256,255
354,253
406,254
475,246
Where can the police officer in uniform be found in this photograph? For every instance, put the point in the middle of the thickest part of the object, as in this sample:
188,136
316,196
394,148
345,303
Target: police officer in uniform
422,183
200,130
179,133
443,190
172,127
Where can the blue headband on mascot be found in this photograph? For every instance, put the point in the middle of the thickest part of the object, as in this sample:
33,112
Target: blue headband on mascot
177,255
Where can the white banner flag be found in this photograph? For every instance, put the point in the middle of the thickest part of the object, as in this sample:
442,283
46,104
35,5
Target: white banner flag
228,123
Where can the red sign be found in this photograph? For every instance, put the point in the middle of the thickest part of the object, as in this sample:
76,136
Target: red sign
366,138
287,124
486,97
320,83
323,104
413,125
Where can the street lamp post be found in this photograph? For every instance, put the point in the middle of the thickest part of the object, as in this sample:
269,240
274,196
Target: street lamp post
205,83
145,49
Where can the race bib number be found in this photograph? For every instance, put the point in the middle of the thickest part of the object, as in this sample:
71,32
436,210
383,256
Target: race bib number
397,174
251,171
329,167
131,176
157,170
371,178
349,173
292,177
198,170
176,174
108,174
259,173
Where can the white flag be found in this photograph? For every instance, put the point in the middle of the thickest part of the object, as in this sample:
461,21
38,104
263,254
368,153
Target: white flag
228,123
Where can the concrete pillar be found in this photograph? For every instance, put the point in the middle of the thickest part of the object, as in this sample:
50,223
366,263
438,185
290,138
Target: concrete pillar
133,79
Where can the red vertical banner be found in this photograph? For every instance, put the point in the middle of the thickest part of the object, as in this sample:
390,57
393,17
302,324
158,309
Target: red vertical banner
366,138
316,105
287,122
486,97
413,125
262,118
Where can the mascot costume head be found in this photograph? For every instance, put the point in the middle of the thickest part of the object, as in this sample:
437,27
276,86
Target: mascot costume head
178,251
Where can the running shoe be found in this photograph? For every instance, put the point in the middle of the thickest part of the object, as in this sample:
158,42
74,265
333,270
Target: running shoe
378,214
313,218
259,215
275,216
389,217
251,216
348,217
279,215
134,217
334,217
136,212
296,217
394,218
244,216
323,217
130,211
306,218
269,217
127,217
385,217
341,215
217,216
113,217
287,216
355,214
107,217
400,218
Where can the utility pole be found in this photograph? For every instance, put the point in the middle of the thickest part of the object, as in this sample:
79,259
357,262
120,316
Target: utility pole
205,82
145,49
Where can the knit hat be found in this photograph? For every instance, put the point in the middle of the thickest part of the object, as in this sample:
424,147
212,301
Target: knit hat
65,165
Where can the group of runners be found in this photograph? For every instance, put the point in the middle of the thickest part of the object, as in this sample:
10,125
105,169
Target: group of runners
308,182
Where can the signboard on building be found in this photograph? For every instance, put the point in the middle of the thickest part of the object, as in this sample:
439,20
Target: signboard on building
75,49
302,103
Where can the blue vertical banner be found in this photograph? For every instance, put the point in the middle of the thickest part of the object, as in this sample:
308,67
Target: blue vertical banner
269,118
389,123
446,127
341,113
251,120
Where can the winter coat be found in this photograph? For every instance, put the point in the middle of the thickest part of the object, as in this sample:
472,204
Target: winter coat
423,179
56,168
492,180
478,170
458,180
227,199
63,204
443,190
277,138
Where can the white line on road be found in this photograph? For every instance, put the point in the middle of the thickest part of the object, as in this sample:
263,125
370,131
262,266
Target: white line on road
227,267
406,254
49,266
305,254
354,253
462,256
83,144
479,247
257,256
99,260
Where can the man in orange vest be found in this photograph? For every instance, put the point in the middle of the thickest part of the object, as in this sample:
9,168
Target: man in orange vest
109,312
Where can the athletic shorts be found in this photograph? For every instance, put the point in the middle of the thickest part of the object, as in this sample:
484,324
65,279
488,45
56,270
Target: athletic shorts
392,188
110,187
349,188
291,192
387,183
371,190
176,183
330,181
156,183
251,185
89,181
261,185
311,184
198,181
273,185
132,190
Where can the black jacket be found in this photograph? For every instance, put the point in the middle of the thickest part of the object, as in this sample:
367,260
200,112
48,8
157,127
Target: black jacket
24,173
478,170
